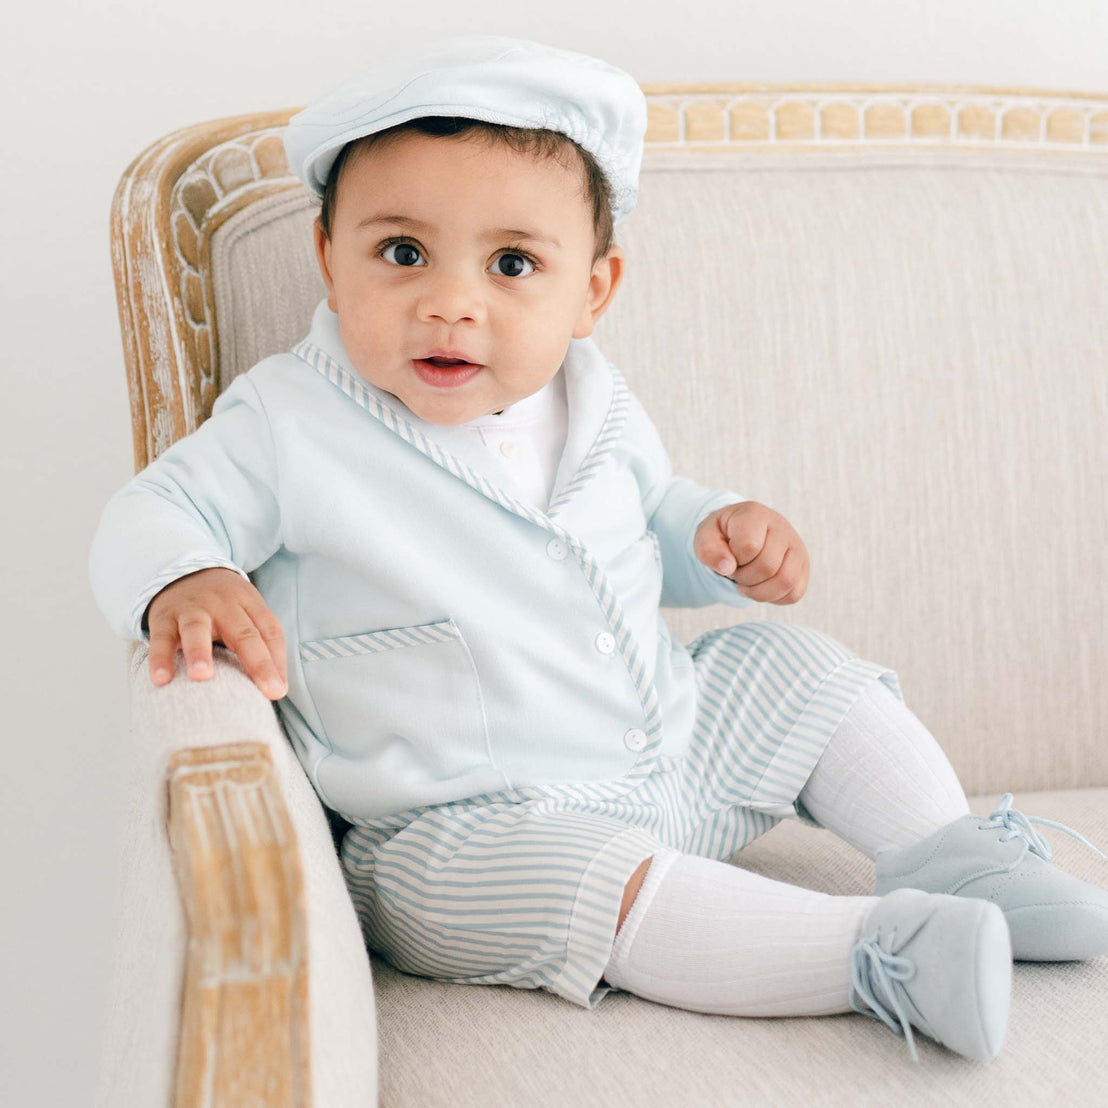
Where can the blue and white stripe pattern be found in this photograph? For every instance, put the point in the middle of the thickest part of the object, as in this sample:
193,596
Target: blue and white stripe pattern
522,887
343,646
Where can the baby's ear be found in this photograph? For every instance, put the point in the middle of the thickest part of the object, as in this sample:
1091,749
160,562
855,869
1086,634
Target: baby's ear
323,253
606,276
617,264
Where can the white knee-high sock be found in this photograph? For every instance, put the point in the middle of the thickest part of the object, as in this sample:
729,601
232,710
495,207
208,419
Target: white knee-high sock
883,779
712,937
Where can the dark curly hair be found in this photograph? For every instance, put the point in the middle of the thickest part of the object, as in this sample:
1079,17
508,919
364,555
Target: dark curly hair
542,143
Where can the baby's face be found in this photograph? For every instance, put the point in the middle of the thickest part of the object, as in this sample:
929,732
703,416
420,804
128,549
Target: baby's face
495,262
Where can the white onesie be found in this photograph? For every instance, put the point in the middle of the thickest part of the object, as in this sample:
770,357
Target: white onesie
528,438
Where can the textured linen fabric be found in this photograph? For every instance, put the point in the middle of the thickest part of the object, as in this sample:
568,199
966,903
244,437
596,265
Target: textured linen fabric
902,351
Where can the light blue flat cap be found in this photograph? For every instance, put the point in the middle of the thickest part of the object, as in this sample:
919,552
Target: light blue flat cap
490,77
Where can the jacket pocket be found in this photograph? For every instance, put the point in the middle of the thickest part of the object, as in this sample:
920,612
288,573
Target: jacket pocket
403,714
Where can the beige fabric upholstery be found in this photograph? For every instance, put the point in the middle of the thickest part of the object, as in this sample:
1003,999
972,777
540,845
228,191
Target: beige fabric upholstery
267,280
903,353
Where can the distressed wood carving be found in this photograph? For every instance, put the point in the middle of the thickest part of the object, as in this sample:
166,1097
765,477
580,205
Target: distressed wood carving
244,1016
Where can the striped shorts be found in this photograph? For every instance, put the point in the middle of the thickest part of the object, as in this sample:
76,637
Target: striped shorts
527,893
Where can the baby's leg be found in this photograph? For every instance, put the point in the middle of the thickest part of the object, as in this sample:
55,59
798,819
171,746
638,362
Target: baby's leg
632,890
883,779
712,937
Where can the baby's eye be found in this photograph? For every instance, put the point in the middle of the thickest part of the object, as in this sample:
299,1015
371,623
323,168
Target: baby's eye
514,265
405,247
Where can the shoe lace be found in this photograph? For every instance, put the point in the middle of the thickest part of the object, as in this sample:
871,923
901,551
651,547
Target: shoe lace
870,963
1004,815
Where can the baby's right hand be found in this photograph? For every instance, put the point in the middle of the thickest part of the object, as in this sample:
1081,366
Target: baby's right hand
193,610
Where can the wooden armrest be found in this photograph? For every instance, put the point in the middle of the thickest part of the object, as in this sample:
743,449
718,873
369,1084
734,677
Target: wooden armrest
244,1019
239,971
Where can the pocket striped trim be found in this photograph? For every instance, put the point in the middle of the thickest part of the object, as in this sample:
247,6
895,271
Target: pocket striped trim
370,642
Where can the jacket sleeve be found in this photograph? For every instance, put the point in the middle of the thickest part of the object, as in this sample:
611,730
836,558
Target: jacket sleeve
208,500
674,507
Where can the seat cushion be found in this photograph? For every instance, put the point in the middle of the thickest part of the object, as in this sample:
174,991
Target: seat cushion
462,1045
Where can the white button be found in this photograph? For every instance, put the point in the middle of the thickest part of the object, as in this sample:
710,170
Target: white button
556,549
508,448
605,642
634,739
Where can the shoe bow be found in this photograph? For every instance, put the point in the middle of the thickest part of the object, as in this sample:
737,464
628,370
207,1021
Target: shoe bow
871,962
1004,815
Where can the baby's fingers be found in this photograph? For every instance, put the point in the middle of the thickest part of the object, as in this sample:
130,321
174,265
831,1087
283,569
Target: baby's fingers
163,650
195,630
775,589
256,637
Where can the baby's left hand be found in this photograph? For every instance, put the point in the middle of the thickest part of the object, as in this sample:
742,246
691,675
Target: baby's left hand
757,548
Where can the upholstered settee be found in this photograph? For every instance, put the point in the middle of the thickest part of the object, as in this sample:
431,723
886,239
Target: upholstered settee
882,311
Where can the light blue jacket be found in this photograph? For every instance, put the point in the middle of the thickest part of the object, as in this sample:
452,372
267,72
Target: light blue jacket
445,637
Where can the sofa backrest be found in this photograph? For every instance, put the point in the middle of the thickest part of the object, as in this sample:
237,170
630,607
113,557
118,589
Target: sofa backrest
898,340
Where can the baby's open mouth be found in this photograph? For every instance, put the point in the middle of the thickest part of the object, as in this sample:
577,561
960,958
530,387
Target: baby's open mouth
446,372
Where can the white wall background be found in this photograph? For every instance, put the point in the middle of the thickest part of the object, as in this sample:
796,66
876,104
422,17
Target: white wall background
85,89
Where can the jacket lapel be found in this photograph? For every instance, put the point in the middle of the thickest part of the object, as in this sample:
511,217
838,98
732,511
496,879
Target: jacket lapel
596,397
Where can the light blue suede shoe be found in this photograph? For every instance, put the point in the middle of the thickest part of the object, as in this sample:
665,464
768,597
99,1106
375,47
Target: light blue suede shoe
1052,916
942,964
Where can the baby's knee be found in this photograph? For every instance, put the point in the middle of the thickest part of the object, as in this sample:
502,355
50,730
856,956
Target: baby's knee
631,890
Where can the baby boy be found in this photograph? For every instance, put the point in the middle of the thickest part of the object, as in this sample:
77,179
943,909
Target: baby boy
466,262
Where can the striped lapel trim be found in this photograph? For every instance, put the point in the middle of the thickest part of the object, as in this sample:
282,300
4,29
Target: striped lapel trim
598,452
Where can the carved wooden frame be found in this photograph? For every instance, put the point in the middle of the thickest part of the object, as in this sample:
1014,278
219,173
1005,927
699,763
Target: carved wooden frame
240,878
244,1012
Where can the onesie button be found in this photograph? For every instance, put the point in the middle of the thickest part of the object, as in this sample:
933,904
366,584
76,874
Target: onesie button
556,549
508,448
635,739
605,642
